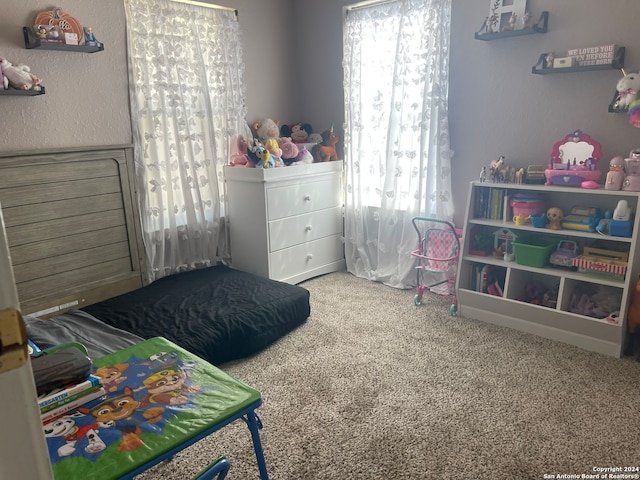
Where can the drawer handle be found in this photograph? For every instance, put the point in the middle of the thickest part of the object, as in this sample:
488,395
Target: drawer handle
310,256
308,229
307,198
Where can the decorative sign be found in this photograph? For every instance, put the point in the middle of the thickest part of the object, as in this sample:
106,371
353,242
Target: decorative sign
600,55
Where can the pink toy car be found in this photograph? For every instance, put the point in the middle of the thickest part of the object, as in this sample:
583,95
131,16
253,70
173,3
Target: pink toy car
565,253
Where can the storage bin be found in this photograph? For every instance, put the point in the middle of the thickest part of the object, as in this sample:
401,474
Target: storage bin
534,251
527,208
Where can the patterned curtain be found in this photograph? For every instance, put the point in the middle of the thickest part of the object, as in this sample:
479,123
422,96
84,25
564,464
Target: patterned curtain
187,102
396,75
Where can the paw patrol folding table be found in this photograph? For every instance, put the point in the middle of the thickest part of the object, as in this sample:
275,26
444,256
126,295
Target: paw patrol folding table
160,399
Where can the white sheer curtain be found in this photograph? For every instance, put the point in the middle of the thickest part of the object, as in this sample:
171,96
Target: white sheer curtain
187,102
396,75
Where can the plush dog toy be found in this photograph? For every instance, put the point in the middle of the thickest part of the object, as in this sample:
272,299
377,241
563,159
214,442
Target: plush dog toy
18,76
326,150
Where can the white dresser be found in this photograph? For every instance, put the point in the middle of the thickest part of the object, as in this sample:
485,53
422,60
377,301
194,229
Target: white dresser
286,223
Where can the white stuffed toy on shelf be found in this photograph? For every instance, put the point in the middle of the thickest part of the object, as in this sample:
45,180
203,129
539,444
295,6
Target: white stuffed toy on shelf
628,88
18,76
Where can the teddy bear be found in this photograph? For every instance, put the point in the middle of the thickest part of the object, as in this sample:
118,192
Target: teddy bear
18,76
299,132
628,88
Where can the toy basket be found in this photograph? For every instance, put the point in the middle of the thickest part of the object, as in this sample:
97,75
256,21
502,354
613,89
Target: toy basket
534,251
602,262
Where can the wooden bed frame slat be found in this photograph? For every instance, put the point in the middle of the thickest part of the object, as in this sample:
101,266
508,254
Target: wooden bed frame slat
58,172
52,229
68,244
36,194
58,264
40,212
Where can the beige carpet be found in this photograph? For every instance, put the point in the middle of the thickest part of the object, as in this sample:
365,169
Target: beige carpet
373,387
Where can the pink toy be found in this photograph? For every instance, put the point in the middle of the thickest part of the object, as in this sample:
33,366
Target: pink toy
289,150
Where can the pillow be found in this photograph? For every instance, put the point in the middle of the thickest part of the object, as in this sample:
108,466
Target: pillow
78,326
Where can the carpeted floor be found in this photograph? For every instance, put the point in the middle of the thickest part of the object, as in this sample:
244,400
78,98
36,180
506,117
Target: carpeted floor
373,387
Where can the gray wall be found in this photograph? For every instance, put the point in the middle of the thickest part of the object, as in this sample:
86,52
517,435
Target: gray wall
293,55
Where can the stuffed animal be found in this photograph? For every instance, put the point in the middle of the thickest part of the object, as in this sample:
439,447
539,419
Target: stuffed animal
326,150
304,157
260,157
289,150
266,129
19,76
555,216
239,158
628,88
272,145
314,138
299,132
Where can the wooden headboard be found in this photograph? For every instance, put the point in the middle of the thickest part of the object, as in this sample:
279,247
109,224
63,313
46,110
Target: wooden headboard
72,226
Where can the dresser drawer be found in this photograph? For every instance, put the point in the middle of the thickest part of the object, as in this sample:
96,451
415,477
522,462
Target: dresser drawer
291,231
312,255
305,197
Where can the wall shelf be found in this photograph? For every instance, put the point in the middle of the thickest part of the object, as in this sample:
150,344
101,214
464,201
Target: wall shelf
612,106
24,93
31,42
617,63
539,27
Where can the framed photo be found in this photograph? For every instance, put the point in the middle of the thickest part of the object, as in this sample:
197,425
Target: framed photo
506,15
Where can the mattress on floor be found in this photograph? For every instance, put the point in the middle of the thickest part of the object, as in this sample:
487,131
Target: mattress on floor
218,313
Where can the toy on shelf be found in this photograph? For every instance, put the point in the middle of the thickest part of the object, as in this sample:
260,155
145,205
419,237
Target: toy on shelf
538,294
631,181
527,204
603,225
615,177
503,239
266,129
582,218
326,150
573,160
597,302
555,216
621,224
299,132
494,168
627,88
18,76
539,220
565,253
599,261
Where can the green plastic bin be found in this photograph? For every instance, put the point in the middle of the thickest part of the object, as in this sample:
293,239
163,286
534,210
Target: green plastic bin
534,251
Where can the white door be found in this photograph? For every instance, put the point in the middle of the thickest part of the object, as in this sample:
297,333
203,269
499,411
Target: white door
23,450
